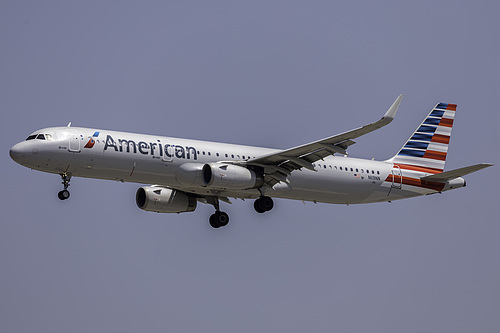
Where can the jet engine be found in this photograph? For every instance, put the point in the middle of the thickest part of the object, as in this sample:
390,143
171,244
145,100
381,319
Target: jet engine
164,200
190,174
229,176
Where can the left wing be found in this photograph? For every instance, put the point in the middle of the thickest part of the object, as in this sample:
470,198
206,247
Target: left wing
278,165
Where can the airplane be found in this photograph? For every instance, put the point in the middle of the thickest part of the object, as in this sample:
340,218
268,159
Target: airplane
185,172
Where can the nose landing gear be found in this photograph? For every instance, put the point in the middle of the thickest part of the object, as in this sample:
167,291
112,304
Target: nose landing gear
64,194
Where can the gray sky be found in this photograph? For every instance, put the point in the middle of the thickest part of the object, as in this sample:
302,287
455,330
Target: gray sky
268,73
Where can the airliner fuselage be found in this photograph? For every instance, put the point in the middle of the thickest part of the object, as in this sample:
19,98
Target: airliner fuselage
185,171
147,159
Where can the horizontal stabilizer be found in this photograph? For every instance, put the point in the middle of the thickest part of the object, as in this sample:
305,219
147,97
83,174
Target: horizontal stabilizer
448,175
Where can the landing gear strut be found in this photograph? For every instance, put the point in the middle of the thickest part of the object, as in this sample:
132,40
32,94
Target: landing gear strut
263,204
218,219
64,194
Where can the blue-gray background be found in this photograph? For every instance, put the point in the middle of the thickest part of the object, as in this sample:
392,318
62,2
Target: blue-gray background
268,73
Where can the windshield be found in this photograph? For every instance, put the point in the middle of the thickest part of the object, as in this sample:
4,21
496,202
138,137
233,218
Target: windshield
40,136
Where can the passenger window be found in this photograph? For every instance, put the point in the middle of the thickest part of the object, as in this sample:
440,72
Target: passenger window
226,155
31,137
324,166
40,137
378,172
351,169
362,170
232,155
340,168
217,154
357,170
373,172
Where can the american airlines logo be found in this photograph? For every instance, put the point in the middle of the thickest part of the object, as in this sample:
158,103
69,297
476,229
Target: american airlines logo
91,141
149,148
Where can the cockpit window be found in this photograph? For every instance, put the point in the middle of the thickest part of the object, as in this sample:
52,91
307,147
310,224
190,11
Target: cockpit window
47,137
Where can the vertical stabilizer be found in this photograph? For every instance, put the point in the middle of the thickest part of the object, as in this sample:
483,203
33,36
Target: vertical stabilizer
427,148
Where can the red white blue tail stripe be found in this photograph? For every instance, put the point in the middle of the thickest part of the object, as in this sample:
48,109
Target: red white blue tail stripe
427,148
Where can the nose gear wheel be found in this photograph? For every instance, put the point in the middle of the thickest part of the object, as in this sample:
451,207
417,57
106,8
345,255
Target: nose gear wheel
64,194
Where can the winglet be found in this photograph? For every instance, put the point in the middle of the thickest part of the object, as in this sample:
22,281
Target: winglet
391,113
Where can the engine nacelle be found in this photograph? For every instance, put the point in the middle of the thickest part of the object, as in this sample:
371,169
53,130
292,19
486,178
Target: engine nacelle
229,176
164,200
190,174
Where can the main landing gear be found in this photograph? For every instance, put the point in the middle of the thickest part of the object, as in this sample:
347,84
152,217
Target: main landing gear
221,219
263,204
64,194
218,219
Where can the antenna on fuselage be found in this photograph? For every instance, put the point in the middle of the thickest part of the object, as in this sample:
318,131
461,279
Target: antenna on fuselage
69,124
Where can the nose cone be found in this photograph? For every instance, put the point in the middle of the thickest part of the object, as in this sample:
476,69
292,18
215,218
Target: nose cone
17,152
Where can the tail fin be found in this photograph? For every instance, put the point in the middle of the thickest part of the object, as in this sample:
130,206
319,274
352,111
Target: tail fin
427,148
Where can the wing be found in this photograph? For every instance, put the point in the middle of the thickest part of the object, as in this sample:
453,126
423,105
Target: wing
278,165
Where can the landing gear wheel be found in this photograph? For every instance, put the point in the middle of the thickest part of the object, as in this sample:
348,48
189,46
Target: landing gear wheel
263,204
257,207
219,219
213,222
222,218
63,195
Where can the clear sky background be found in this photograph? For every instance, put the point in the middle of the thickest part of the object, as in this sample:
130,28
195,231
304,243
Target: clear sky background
266,73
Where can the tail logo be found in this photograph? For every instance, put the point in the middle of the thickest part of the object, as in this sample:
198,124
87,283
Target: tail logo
428,146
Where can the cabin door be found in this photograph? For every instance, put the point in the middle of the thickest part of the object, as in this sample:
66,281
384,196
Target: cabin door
74,142
397,177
